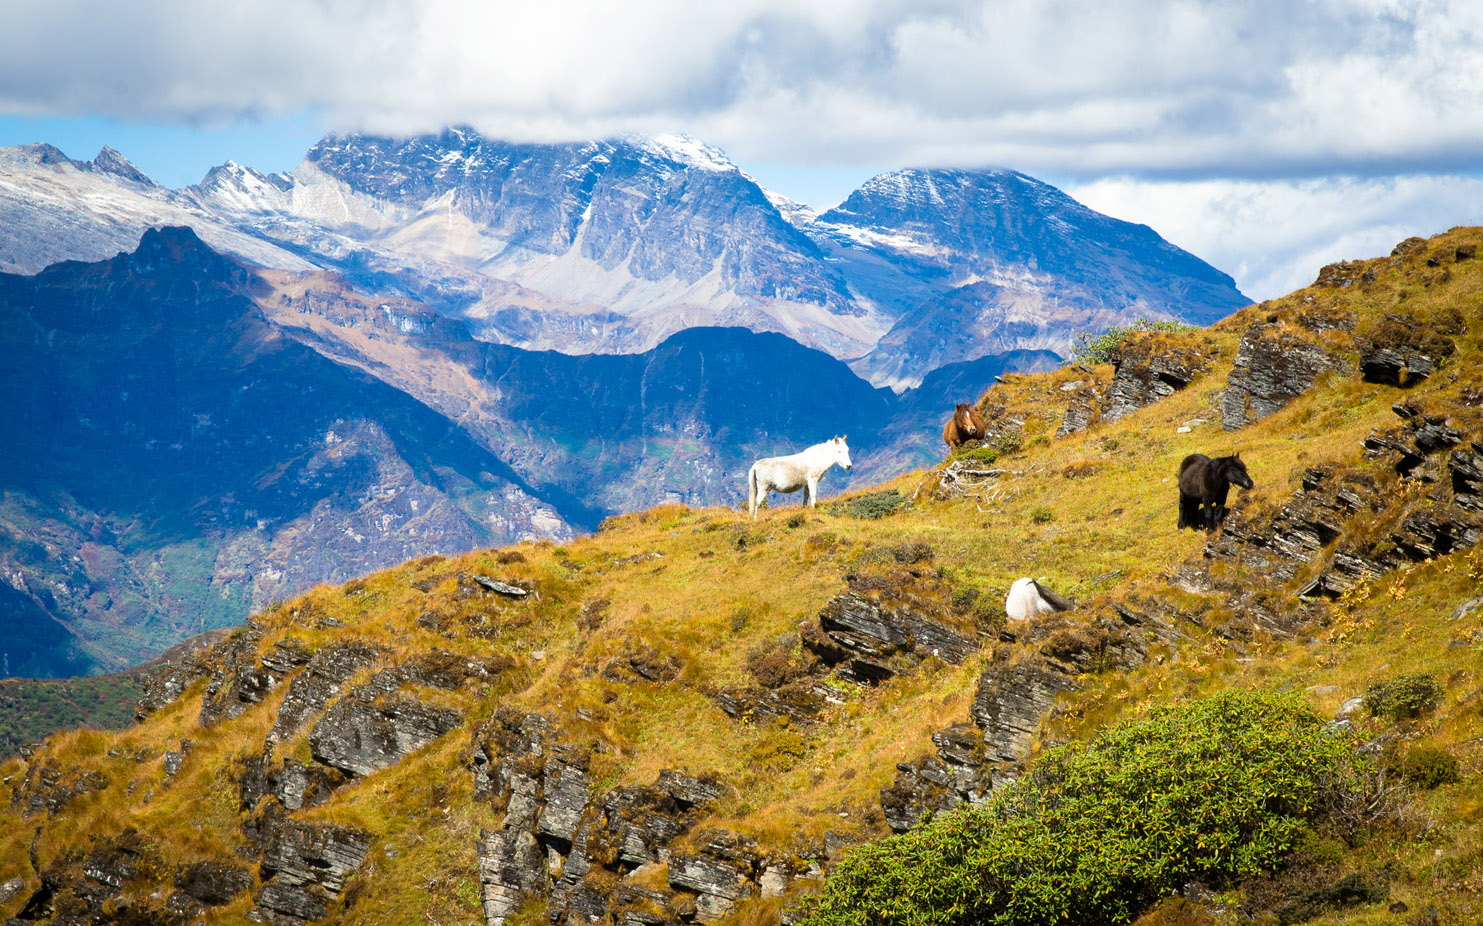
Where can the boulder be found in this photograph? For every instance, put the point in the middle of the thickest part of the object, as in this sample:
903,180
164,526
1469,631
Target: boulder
372,728
1273,366
1011,701
312,690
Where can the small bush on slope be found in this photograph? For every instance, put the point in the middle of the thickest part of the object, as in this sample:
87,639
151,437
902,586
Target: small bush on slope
1215,790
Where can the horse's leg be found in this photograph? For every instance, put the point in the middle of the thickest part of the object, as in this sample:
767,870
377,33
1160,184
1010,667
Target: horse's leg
811,492
1186,517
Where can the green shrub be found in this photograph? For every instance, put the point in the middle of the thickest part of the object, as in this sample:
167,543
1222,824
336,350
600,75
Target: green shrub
1008,442
1427,767
1215,790
1042,515
1405,698
871,506
1103,348
978,454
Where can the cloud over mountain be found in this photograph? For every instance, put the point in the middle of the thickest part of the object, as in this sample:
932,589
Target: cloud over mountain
1066,87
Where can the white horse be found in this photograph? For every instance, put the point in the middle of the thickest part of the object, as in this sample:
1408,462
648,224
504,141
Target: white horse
1028,598
801,470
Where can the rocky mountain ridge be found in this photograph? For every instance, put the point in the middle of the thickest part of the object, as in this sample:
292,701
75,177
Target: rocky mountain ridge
692,717
611,246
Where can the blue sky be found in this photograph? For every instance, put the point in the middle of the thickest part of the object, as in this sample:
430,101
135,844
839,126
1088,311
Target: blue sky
173,154
1268,137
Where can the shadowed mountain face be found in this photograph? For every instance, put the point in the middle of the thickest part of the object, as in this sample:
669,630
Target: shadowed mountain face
173,460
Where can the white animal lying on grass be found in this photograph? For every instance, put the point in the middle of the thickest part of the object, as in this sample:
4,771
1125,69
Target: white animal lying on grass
1028,598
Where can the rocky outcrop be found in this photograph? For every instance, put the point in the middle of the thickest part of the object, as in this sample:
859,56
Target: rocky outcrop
48,788
558,841
312,690
204,885
883,625
1273,366
1082,412
1403,351
1148,369
240,679
1010,703
959,773
1403,528
304,866
374,726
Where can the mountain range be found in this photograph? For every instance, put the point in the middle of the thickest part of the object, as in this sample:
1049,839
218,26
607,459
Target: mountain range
611,246
225,394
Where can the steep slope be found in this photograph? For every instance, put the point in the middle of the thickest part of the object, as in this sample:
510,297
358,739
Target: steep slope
172,459
980,262
692,717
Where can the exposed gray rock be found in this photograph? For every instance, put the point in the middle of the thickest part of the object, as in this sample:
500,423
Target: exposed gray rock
688,791
237,678
303,865
1146,373
498,587
370,728
172,762
204,885
289,904
11,889
1466,467
799,703
1395,364
164,686
298,786
719,884
959,774
565,791
50,789
1273,366
285,656
1079,414
512,869
1010,704
861,634
312,690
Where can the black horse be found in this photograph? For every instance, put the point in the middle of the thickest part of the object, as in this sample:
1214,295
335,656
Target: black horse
1203,485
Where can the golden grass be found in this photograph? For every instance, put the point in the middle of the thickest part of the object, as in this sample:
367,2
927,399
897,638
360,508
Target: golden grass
721,586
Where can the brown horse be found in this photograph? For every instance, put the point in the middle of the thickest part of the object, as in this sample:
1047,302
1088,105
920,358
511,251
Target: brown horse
966,425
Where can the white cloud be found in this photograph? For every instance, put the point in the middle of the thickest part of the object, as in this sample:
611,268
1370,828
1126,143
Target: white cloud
1273,236
1077,87
1223,125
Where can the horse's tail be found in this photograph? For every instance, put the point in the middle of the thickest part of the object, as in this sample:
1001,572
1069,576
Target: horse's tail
752,491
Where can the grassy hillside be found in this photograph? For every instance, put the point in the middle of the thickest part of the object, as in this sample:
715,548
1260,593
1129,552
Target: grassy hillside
701,643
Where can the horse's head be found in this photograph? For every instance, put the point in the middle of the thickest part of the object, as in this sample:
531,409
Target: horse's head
1235,471
963,416
841,451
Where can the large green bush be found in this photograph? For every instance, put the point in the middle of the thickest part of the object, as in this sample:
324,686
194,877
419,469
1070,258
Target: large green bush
1215,790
